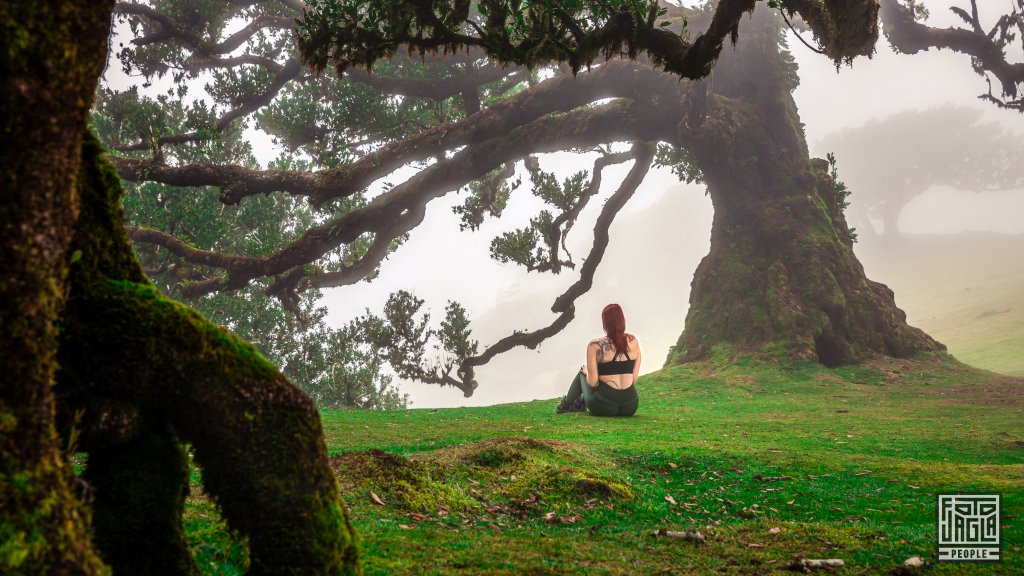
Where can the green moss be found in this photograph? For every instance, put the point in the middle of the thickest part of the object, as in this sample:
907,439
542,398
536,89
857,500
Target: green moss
407,484
256,438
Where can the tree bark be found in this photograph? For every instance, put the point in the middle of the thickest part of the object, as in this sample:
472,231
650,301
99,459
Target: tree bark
166,372
781,278
53,53
137,371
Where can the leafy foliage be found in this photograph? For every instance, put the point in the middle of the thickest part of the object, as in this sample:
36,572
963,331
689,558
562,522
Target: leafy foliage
402,336
534,33
489,195
840,191
318,359
522,245
680,162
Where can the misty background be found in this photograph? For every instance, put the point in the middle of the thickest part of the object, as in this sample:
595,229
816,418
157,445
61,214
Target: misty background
956,264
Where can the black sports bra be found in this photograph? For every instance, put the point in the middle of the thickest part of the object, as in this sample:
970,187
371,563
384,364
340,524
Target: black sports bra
616,367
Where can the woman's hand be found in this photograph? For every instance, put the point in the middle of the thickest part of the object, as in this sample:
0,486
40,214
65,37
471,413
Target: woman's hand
583,369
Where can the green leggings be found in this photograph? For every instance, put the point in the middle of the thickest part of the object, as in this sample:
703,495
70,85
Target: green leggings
603,400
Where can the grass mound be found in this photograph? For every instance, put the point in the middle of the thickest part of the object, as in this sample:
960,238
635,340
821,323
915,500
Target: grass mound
507,451
497,480
384,479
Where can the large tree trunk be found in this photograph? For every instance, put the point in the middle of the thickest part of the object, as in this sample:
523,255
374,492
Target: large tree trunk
139,373
144,371
781,277
52,54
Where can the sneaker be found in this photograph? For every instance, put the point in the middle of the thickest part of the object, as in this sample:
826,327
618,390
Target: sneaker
577,405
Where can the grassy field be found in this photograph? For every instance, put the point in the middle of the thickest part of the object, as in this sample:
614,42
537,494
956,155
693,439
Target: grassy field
770,463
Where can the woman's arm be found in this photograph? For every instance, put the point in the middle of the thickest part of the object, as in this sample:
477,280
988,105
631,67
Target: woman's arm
591,371
636,365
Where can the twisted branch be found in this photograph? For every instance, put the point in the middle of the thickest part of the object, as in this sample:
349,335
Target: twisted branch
399,210
909,37
564,305
613,79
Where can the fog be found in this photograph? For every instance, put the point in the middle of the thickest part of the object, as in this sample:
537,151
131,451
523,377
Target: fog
660,237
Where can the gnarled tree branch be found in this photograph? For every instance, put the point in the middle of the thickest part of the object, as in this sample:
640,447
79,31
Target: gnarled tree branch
169,30
613,79
564,306
581,128
987,49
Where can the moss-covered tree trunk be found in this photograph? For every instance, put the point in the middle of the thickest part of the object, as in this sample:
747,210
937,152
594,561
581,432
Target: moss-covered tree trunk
143,371
52,54
781,276
138,374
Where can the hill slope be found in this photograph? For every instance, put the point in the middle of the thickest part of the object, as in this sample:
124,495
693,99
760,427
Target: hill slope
966,290
769,463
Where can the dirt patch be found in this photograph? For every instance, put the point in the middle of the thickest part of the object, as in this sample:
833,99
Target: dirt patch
374,468
594,488
375,477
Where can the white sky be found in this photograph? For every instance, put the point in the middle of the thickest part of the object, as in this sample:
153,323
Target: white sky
659,237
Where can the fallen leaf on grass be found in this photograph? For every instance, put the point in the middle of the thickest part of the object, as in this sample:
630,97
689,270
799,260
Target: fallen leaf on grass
670,499
405,527
774,530
688,535
376,499
761,478
805,563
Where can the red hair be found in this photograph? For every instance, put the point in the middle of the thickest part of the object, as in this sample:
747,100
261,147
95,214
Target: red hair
615,327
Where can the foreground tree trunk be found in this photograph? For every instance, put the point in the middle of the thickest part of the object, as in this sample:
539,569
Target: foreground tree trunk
139,374
159,371
781,277
52,54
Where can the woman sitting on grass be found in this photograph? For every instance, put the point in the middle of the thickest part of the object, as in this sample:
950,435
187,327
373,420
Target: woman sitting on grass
604,384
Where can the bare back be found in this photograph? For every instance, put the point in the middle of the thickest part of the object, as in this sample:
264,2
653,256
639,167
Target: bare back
602,350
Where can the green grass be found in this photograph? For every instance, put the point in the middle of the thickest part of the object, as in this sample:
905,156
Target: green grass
768,462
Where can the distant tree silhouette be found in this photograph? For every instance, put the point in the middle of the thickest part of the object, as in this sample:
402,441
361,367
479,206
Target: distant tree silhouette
889,162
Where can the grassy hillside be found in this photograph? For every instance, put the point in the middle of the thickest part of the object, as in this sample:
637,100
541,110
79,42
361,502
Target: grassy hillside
966,290
769,463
